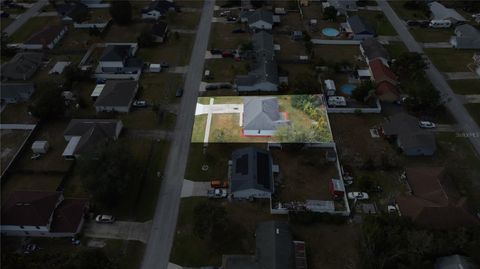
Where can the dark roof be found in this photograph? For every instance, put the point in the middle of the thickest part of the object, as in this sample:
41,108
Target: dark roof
22,66
274,245
29,208
260,113
160,28
117,93
115,53
260,15
68,215
91,131
47,35
360,25
434,201
263,44
454,262
264,70
373,49
406,128
381,72
160,5
251,169
73,10
19,91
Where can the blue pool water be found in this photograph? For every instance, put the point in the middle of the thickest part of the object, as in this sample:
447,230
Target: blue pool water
330,31
347,88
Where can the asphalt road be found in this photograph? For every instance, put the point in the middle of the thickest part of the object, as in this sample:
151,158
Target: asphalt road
157,252
31,12
467,126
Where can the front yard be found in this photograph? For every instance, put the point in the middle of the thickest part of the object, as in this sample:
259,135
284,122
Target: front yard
221,36
431,35
450,60
225,69
175,51
379,21
465,86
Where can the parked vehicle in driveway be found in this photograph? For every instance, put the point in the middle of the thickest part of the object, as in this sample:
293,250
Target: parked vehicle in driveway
179,92
216,183
238,31
105,219
426,124
164,65
413,23
227,54
440,24
215,51
357,195
217,193
139,103
224,13
231,18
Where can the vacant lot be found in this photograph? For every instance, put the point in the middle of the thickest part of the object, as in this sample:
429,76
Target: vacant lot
175,51
407,14
184,20
32,26
395,49
222,37
304,174
450,60
430,35
465,86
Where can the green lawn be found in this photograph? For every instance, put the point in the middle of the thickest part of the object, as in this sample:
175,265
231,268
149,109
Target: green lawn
225,69
450,60
5,22
174,51
395,49
378,20
184,20
474,110
465,86
222,37
16,113
406,14
431,35
32,26
198,132
336,54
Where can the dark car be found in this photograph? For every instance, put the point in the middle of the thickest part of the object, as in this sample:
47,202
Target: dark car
215,51
424,24
164,65
211,87
238,31
413,23
231,18
179,92
227,54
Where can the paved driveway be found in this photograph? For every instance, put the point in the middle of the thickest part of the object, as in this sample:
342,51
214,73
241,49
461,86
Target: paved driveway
195,188
125,230
219,109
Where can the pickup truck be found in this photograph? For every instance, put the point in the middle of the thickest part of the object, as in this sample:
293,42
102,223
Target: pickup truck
217,193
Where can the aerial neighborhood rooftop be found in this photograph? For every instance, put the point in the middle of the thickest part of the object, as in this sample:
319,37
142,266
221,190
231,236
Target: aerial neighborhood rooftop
240,134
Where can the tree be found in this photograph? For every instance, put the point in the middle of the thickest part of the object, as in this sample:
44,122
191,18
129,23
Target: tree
107,168
363,91
73,74
145,39
49,102
330,13
410,66
257,3
94,31
121,12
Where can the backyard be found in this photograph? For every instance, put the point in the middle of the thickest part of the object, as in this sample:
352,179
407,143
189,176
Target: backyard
465,86
431,35
175,51
225,69
340,53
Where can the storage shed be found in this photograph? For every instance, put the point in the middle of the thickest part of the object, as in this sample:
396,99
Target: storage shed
337,189
330,88
40,147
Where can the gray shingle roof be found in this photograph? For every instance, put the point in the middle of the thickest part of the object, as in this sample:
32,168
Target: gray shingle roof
22,66
373,49
260,15
274,245
115,53
260,113
92,131
467,37
18,91
410,135
161,6
117,93
263,44
440,12
251,169
360,25
159,29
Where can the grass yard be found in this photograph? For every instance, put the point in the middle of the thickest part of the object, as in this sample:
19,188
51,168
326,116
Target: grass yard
142,118
465,86
450,60
395,49
336,54
160,88
225,69
198,132
128,33
11,143
474,110
378,20
222,37
16,113
289,49
406,14
32,26
31,182
431,35
174,51
77,39
184,20
5,22
292,21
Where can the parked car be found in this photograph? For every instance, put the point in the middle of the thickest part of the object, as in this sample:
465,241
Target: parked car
215,51
227,54
139,103
164,65
217,193
413,23
357,195
238,31
179,92
224,13
392,209
216,183
105,219
211,87
426,124
231,18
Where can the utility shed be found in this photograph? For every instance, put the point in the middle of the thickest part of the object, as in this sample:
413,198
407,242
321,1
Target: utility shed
40,147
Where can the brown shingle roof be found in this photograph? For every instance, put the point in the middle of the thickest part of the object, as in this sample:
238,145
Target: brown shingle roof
46,35
68,216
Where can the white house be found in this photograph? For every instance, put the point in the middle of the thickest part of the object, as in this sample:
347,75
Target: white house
440,12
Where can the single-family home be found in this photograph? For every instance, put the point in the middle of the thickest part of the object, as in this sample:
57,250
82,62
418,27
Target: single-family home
371,49
157,9
408,136
275,249
386,81
466,37
476,62
120,59
42,214
47,38
116,96
454,262
260,19
12,93
359,28
83,135
261,116
251,174
160,31
342,6
263,45
434,202
74,11
440,12
22,66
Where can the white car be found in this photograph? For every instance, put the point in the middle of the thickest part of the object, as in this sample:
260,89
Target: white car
357,195
426,124
105,219
139,103
217,193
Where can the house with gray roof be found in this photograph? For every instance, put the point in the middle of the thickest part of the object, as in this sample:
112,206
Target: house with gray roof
251,174
360,28
408,136
13,93
261,116
22,66
83,135
275,249
372,49
119,59
440,12
116,96
260,19
466,37
342,6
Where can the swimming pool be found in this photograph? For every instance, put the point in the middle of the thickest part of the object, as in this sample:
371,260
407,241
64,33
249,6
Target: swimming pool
330,32
347,88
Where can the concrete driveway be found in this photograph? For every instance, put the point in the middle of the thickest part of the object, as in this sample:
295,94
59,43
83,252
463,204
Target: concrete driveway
194,188
125,230
219,109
